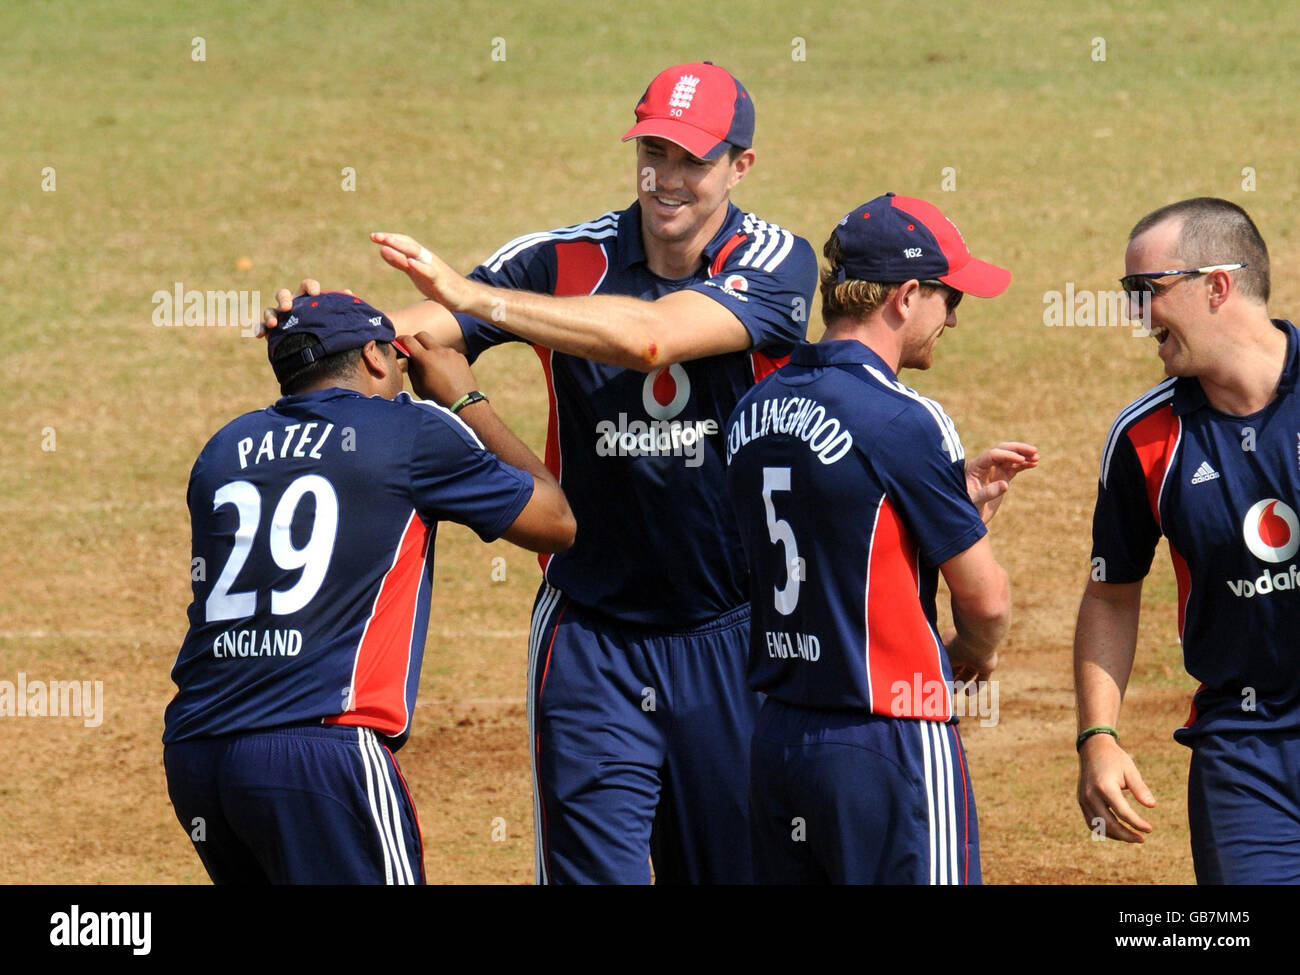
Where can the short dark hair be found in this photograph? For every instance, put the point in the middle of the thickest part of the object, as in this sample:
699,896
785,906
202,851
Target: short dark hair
734,151
1215,231
337,366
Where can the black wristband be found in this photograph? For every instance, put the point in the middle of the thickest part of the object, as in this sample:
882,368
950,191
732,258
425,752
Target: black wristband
1100,729
474,396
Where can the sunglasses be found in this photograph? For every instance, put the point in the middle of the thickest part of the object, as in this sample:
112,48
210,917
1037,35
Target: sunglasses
1144,282
951,296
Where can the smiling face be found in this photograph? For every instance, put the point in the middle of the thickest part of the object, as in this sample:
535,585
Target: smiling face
1185,344
926,321
683,198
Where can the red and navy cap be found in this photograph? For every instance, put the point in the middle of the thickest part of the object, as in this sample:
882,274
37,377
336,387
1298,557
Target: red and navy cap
699,106
339,322
898,238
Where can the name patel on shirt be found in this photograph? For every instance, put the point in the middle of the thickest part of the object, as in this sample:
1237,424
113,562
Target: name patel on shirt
304,445
795,416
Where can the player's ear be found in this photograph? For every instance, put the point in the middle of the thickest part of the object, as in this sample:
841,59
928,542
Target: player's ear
373,360
740,166
905,297
1220,286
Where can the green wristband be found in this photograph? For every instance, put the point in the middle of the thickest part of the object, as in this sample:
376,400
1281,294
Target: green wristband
1097,729
473,396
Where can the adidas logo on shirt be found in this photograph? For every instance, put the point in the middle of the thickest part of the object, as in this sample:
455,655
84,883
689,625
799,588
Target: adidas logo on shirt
1204,473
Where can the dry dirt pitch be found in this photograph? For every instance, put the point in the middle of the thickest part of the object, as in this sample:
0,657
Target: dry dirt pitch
132,164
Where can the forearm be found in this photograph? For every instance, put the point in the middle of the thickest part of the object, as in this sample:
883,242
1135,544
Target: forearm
612,329
546,524
501,440
1105,643
981,609
431,317
978,637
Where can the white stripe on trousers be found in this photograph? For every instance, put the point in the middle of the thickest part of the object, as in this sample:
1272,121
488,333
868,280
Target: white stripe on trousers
385,809
941,803
953,842
546,603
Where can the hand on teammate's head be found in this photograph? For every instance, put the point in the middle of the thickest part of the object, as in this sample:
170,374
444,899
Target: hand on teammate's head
284,303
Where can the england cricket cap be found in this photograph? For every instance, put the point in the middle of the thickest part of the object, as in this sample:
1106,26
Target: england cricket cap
338,321
898,238
699,106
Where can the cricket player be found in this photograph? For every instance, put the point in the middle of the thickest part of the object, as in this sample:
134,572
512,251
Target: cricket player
853,495
313,529
650,323
1208,459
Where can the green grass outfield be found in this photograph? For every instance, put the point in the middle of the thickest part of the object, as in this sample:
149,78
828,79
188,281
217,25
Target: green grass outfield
167,169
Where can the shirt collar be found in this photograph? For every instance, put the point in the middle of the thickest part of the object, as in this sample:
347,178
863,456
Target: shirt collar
841,352
1189,396
319,395
631,249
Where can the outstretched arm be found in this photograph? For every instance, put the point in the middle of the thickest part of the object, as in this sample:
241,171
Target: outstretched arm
613,329
428,316
432,319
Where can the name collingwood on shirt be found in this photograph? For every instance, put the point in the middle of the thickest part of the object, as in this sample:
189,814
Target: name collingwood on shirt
796,416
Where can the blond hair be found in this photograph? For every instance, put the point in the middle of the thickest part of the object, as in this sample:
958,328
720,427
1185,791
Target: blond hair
844,297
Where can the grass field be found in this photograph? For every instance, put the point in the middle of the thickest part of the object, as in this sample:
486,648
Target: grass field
129,166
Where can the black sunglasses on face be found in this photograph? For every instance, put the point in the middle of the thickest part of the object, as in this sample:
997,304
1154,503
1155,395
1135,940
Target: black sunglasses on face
951,296
1144,282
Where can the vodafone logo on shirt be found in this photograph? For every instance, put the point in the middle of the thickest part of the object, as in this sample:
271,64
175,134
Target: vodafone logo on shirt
1272,533
1272,530
734,285
665,392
